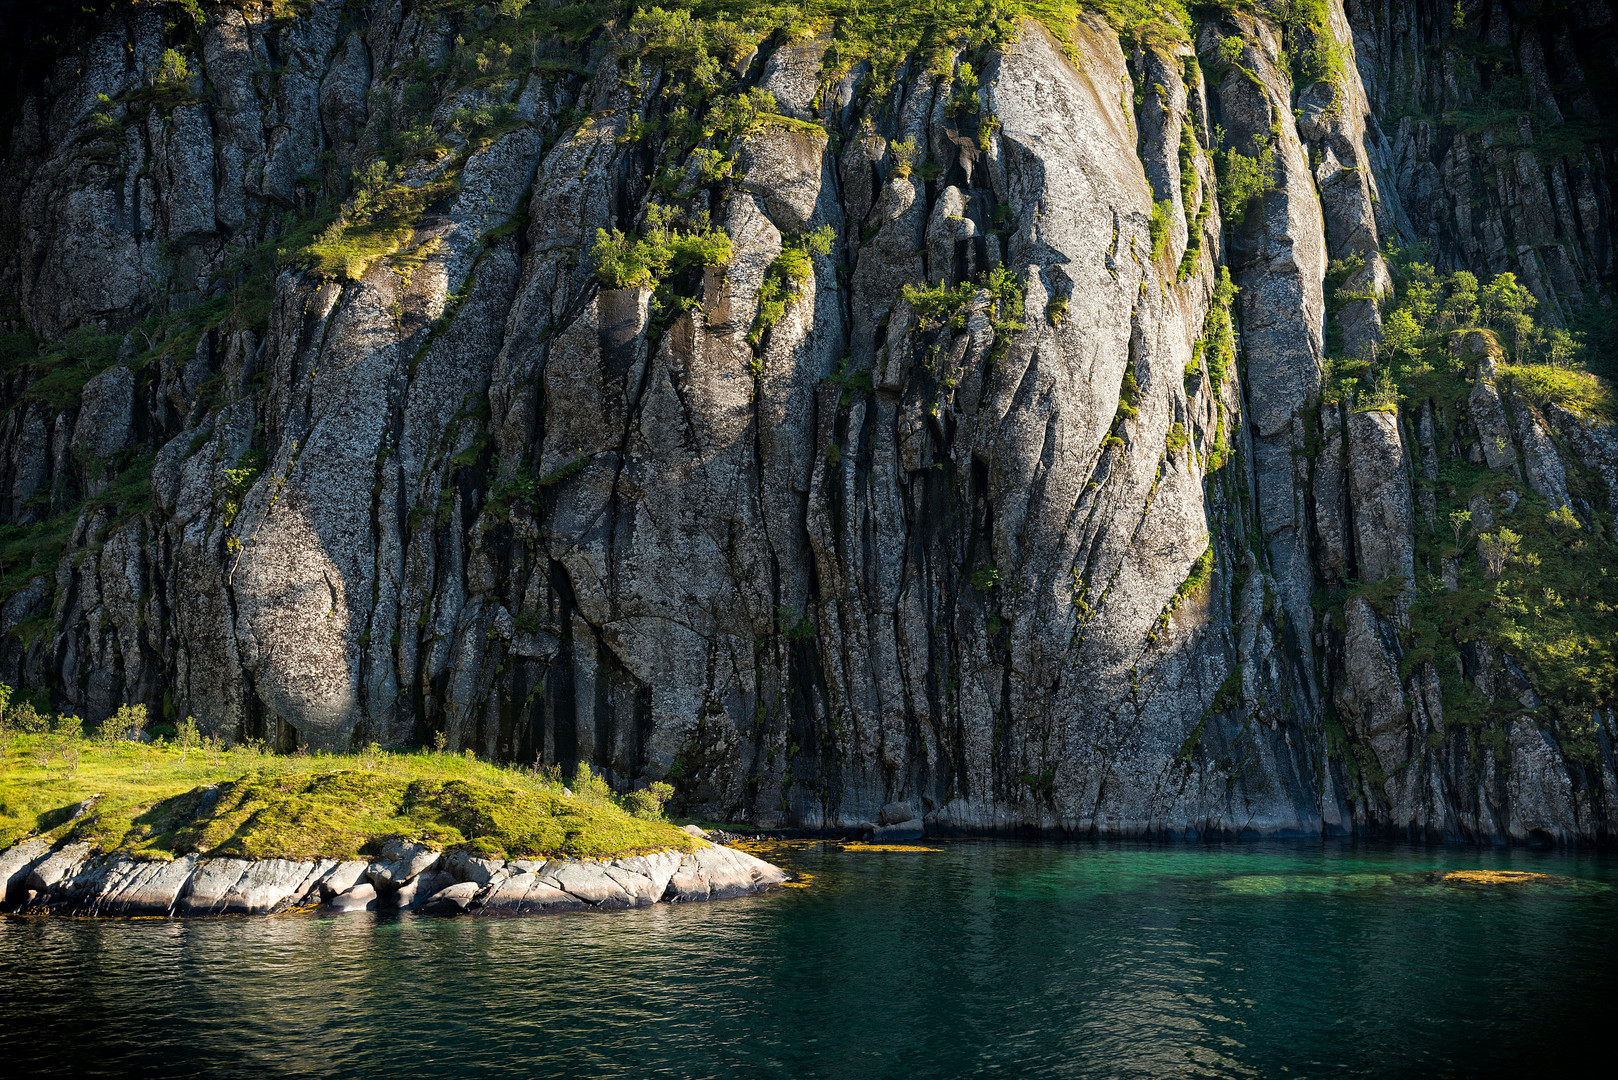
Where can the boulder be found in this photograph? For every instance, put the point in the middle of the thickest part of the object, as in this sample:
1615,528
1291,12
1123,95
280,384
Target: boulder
399,861
341,878
361,897
452,899
896,813
473,868
732,873
15,865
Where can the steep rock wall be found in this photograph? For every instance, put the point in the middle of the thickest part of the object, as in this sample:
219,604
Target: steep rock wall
1002,557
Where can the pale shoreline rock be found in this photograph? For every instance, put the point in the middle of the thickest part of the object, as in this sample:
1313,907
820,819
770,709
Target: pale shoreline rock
36,880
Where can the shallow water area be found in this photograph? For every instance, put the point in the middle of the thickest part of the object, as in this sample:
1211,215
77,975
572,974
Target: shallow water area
945,958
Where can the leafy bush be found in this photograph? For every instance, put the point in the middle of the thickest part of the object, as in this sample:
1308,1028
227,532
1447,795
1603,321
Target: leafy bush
904,153
665,247
1176,439
1244,178
1314,53
647,802
123,724
379,220
1162,219
172,71
788,273
239,480
1577,391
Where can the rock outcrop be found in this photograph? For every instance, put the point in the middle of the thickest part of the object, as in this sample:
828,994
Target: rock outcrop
970,524
404,877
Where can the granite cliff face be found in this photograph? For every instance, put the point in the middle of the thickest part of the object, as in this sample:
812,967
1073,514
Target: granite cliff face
935,499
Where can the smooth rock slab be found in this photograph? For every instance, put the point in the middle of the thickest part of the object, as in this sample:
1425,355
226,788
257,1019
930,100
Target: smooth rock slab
151,889
525,894
590,883
267,886
58,866
210,882
73,881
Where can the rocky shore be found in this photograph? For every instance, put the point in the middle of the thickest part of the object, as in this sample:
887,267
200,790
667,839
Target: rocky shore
71,880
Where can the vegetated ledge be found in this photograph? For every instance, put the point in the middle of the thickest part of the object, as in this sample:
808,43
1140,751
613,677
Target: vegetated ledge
428,832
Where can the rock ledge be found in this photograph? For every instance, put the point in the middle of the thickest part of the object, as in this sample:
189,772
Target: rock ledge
34,879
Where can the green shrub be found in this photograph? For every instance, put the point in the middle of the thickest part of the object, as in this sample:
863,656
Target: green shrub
647,802
785,278
378,221
123,724
1056,310
1244,178
239,480
904,154
1176,439
666,246
1162,219
1577,391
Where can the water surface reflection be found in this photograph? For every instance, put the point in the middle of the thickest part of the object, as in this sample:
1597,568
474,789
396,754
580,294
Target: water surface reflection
975,959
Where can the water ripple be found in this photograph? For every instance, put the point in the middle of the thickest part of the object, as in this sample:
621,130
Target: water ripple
976,960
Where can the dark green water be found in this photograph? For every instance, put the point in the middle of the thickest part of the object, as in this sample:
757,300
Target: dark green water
979,959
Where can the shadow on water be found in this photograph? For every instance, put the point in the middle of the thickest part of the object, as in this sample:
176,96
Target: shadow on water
971,958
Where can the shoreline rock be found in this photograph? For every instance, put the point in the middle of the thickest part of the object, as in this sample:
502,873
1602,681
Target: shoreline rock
36,880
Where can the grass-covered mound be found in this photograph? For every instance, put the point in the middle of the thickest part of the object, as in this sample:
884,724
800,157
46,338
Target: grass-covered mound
162,800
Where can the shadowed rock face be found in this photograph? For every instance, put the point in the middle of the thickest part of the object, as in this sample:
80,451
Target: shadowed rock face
875,557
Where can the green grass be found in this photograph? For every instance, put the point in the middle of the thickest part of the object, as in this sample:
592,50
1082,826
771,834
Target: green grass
380,221
1578,391
155,802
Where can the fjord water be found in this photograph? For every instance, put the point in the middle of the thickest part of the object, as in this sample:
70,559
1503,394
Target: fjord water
975,958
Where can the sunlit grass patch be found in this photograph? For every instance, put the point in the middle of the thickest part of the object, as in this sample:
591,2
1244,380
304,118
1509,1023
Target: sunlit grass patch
159,801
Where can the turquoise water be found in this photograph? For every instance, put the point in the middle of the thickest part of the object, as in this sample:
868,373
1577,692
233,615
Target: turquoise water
977,959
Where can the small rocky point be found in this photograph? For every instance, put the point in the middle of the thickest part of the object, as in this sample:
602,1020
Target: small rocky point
404,876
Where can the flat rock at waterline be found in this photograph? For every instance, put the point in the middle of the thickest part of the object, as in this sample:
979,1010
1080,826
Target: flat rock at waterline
74,881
